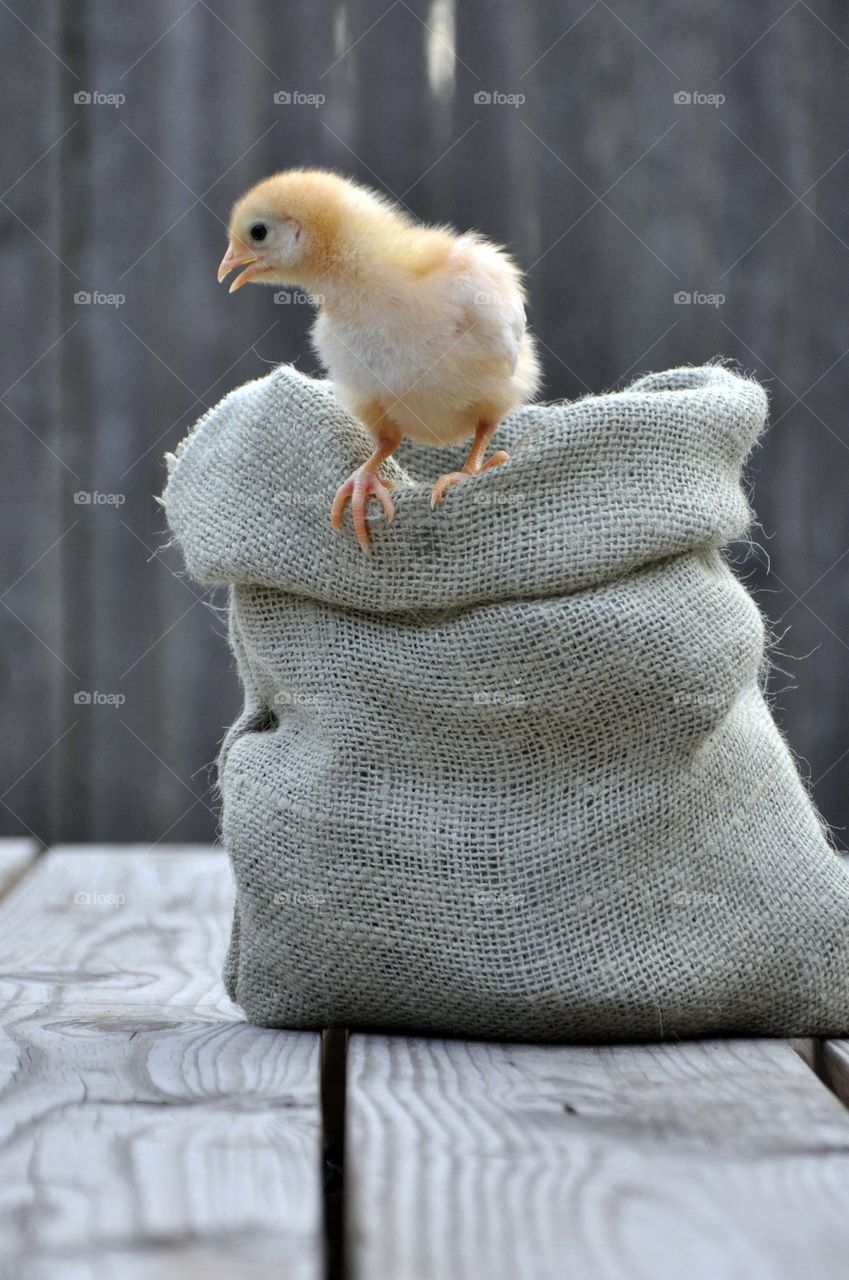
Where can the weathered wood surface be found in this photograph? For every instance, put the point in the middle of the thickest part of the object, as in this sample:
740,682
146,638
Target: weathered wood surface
613,196
699,1160
145,1129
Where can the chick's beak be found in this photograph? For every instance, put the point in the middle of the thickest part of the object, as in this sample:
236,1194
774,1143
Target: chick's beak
239,255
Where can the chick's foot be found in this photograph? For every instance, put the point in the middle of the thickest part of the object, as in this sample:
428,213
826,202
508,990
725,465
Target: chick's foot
444,483
357,489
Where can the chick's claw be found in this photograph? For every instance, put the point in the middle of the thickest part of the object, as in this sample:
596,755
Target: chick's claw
357,489
444,483
497,458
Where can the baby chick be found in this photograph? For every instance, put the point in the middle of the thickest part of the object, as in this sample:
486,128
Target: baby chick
421,330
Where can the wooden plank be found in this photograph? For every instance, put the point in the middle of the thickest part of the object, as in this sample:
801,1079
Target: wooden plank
145,1128
16,857
125,930
35,516
697,1159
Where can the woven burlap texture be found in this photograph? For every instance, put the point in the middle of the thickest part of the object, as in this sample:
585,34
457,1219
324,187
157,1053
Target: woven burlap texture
512,773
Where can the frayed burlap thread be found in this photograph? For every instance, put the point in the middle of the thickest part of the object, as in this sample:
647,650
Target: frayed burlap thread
512,773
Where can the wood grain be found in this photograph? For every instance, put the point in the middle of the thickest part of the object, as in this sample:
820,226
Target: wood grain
698,1160
145,1128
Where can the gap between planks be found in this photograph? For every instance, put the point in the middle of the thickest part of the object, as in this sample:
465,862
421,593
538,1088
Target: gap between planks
334,1052
829,1060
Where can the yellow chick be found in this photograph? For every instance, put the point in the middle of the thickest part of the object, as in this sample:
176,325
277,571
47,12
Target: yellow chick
421,330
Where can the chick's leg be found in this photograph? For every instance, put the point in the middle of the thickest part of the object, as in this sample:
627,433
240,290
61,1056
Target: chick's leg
474,464
364,484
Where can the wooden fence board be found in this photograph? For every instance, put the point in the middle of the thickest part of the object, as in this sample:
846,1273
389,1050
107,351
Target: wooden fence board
591,182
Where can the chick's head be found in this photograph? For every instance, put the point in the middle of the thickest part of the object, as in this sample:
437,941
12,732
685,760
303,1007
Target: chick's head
287,229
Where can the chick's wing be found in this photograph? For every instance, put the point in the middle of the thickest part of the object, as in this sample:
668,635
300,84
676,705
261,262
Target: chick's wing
488,292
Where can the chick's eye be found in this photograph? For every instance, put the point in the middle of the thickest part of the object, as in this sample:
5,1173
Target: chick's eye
258,231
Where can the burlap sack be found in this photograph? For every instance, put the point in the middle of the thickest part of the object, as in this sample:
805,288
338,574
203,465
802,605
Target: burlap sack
512,773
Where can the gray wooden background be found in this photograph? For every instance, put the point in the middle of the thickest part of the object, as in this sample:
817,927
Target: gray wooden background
614,192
